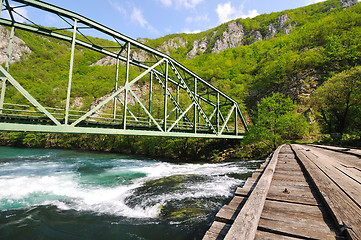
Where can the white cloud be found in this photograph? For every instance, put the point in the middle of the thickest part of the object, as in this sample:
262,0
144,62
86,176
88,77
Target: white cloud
117,7
227,12
308,2
200,18
167,3
19,15
188,3
186,30
138,18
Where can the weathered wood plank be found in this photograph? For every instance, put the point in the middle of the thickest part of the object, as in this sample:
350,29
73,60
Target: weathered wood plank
293,217
317,212
261,235
295,198
212,236
245,225
298,228
345,211
227,214
219,228
331,167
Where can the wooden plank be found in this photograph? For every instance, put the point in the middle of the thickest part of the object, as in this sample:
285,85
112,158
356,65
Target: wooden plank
298,215
289,177
308,211
227,214
355,152
218,229
297,228
332,169
212,236
297,219
345,211
245,225
280,183
341,155
237,202
299,198
262,235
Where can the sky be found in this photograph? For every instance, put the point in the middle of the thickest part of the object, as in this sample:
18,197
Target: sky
157,18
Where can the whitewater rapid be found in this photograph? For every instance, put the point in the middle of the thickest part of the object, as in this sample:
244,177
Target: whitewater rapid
107,184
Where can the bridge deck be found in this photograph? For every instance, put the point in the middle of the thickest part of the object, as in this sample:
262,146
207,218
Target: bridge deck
302,192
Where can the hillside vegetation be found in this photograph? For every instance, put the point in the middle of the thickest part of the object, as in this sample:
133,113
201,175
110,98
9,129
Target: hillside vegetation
310,57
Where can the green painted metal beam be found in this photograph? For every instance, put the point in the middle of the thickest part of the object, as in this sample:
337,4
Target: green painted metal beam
90,130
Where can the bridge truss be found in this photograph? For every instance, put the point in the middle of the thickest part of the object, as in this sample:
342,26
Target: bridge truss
177,103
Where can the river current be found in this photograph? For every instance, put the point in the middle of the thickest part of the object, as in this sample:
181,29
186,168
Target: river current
65,194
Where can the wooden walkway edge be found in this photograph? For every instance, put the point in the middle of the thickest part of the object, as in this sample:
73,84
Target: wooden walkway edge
300,192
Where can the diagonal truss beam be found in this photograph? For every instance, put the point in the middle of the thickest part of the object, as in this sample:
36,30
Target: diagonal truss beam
27,95
101,104
193,97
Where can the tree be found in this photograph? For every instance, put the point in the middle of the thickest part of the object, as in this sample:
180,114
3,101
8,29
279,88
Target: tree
338,102
275,121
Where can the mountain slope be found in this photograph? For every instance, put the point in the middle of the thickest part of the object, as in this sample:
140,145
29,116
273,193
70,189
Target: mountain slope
292,52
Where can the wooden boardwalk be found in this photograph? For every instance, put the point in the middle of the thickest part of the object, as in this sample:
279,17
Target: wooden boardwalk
300,192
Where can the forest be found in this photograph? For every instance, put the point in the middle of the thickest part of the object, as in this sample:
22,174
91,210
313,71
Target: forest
303,86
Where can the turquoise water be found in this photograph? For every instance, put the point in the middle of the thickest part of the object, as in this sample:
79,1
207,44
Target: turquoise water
64,194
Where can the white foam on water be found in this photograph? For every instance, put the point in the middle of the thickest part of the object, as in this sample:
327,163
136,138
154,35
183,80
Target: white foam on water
57,183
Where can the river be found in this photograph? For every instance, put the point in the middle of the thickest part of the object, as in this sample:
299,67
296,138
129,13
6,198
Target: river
66,194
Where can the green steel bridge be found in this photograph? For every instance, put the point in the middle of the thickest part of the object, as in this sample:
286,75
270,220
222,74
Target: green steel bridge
186,106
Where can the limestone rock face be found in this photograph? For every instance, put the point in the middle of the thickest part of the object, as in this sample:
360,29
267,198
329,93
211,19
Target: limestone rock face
20,49
255,36
173,44
271,31
348,3
283,25
199,47
142,56
302,85
231,38
282,20
110,61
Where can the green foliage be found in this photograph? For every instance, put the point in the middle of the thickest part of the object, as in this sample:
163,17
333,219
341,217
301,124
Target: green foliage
325,41
338,102
276,121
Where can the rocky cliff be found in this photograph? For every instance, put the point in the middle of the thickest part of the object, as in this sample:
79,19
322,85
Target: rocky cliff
20,49
230,35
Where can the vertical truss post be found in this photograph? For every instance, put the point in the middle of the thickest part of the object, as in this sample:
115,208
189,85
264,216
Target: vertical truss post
126,88
70,73
7,65
195,107
218,111
236,121
115,89
165,96
150,96
177,112
177,102
199,116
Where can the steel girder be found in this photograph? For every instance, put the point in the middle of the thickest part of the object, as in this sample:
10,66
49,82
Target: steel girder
203,97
